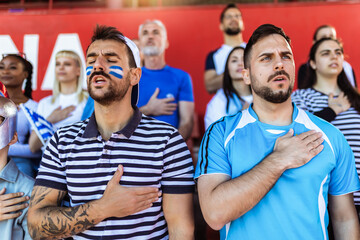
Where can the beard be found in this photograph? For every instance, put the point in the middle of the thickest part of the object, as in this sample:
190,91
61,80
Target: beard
233,31
152,51
267,93
112,93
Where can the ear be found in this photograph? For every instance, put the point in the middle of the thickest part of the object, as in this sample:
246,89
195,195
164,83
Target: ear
312,64
14,139
167,44
135,75
246,75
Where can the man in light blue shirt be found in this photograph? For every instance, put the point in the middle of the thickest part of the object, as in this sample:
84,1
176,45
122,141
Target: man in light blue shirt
270,171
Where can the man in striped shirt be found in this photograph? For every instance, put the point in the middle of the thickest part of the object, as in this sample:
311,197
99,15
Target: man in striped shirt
128,176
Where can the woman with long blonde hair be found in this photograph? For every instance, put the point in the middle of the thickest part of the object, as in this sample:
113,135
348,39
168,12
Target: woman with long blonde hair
66,105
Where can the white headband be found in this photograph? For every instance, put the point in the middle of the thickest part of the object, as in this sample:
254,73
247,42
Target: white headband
134,49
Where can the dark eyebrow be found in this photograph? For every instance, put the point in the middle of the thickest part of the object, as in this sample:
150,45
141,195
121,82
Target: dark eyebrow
265,54
286,53
108,54
323,51
111,54
91,55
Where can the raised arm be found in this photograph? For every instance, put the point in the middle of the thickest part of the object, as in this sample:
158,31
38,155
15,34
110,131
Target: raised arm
212,81
344,217
179,215
46,219
223,200
186,121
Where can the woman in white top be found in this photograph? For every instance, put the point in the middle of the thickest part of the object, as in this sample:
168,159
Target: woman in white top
66,105
235,94
14,70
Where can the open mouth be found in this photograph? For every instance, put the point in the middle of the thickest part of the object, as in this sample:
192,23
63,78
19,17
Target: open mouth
99,79
280,78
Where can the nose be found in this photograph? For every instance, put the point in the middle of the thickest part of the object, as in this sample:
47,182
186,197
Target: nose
279,65
334,55
99,64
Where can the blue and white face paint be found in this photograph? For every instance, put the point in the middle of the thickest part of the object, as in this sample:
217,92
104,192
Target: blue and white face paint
116,71
89,69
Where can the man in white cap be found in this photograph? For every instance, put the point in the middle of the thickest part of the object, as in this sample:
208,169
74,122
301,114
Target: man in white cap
15,186
126,175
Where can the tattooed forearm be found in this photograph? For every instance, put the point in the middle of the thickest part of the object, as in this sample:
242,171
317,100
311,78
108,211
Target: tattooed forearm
38,195
47,220
60,222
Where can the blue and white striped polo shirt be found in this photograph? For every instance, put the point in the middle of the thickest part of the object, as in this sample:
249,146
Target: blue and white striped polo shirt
153,153
295,208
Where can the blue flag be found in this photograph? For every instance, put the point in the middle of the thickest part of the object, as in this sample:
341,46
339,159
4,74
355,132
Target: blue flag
43,128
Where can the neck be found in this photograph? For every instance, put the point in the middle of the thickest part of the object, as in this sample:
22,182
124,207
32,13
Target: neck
233,40
327,85
155,62
278,114
241,88
3,157
112,118
16,95
68,87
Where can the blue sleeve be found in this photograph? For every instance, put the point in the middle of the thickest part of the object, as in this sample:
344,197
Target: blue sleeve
186,90
344,178
212,154
22,150
209,64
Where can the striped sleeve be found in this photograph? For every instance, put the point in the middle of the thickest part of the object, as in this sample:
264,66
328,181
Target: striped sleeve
52,170
178,172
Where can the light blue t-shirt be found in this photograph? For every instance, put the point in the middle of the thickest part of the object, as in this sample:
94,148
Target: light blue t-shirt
172,82
296,206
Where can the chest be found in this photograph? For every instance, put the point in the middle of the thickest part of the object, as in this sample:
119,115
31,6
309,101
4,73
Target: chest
247,150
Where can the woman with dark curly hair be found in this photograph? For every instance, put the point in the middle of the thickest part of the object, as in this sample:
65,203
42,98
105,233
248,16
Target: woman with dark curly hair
14,70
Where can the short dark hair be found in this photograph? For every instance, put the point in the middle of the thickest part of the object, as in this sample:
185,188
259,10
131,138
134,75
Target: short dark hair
319,28
261,32
103,32
230,5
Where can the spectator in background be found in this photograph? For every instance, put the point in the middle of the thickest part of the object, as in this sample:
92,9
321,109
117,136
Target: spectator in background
235,94
165,92
14,70
328,94
232,26
66,105
324,31
16,185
